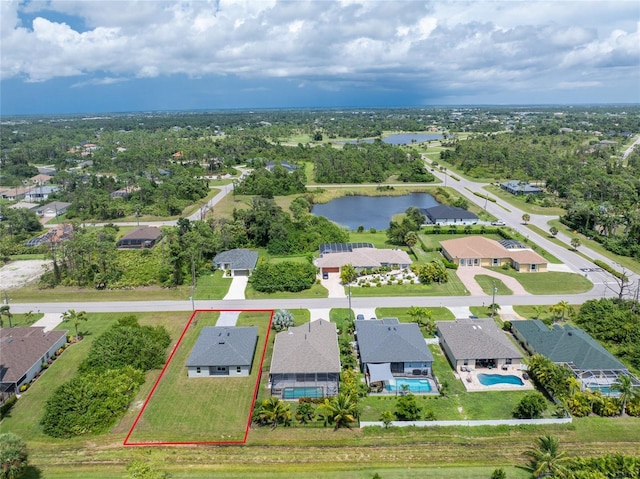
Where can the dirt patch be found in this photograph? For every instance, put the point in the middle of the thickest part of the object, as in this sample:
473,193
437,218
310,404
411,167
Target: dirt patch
18,273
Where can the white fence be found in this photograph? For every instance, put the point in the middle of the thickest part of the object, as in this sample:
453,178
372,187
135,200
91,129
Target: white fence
488,422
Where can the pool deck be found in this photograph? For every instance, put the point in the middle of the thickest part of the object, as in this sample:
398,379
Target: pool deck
472,384
434,389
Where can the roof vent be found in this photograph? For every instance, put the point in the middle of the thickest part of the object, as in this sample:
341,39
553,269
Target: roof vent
570,333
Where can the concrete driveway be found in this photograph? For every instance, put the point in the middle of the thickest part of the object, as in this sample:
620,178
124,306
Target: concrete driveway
49,321
466,275
333,285
227,318
238,285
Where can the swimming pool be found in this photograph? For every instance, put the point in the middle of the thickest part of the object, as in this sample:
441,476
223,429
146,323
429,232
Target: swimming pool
604,390
493,379
297,393
414,385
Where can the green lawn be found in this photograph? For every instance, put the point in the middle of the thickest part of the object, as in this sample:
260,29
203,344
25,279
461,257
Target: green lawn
184,409
487,283
212,286
439,314
316,291
453,288
551,282
433,240
378,239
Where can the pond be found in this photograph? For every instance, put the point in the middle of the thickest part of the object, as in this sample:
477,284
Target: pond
370,211
400,138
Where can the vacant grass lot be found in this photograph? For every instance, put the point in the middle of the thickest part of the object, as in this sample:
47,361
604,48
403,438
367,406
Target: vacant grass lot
487,283
184,409
316,291
551,282
433,240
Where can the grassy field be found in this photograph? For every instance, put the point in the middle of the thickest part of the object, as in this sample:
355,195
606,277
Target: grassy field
316,291
439,314
487,283
551,282
520,202
623,261
433,240
453,288
184,409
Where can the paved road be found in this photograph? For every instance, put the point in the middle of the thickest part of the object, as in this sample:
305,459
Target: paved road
319,303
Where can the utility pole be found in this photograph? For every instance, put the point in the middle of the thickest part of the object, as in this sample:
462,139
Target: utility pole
493,302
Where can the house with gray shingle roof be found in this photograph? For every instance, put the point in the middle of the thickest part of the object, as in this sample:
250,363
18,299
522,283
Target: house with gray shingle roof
590,362
23,351
223,351
390,349
517,187
448,215
306,361
477,343
240,262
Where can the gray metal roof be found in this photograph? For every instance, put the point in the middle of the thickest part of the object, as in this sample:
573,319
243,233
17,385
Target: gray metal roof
310,348
476,339
567,345
386,341
448,212
224,346
522,186
240,258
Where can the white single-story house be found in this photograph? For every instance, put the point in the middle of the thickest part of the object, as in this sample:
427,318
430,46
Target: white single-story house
223,351
477,343
240,262
53,209
22,353
448,215
362,259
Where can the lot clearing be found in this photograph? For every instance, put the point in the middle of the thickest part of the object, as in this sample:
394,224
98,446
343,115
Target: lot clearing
18,273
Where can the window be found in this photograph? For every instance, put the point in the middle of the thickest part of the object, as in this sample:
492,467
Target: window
198,370
534,267
462,262
238,369
475,261
496,262
508,361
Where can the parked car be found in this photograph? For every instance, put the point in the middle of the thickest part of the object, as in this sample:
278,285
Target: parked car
325,275
360,317
497,223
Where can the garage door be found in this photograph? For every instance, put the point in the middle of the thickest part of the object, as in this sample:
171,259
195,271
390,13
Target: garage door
331,270
241,272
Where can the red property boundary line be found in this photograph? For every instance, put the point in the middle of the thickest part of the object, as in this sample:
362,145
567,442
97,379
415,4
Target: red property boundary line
166,365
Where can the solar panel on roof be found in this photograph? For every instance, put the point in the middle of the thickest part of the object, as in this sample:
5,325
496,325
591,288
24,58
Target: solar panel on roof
326,248
510,244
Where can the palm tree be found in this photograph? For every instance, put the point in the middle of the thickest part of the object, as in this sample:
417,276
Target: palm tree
348,274
75,318
538,311
627,391
410,239
526,218
554,231
340,410
493,307
273,411
424,318
5,310
575,243
546,458
561,310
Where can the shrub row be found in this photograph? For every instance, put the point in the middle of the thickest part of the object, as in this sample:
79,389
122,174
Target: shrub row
609,269
484,197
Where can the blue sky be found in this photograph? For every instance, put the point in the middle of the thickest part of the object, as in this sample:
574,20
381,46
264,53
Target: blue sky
76,56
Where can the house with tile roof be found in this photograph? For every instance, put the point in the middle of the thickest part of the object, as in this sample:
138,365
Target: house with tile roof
389,349
590,362
24,350
477,343
239,262
363,259
473,251
223,351
306,361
